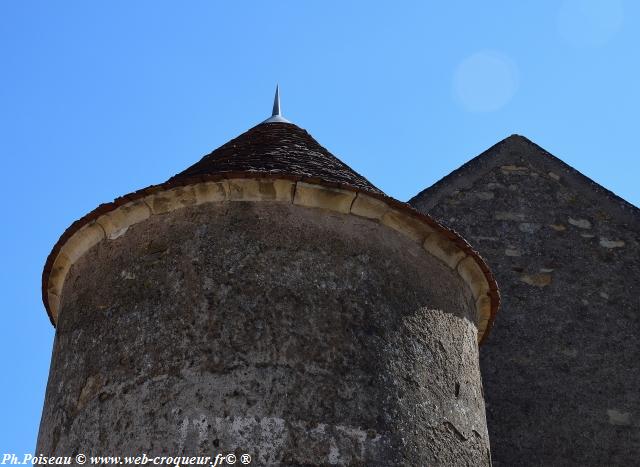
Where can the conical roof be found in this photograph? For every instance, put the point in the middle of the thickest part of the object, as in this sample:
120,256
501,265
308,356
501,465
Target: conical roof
279,152
278,148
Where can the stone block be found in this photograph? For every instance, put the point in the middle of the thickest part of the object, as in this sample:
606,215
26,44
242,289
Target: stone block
256,189
512,252
537,280
371,208
508,216
211,192
611,243
444,249
81,241
580,223
473,277
412,227
482,329
58,273
170,200
483,308
617,417
318,196
513,169
485,195
116,222
54,305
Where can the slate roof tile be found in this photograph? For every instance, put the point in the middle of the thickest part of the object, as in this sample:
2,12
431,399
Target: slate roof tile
278,148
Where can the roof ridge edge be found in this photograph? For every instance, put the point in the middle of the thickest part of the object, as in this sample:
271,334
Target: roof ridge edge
573,175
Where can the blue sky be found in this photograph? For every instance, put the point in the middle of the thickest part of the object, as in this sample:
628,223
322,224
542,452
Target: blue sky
101,98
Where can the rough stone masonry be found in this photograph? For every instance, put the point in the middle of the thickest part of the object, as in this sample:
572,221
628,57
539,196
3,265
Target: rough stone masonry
561,367
300,319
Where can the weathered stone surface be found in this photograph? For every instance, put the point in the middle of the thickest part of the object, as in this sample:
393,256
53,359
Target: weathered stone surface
473,276
170,200
444,249
558,227
115,223
412,228
581,223
82,240
485,195
528,227
560,366
619,418
210,192
249,189
366,206
298,335
538,280
319,196
54,303
58,273
509,216
611,243
513,169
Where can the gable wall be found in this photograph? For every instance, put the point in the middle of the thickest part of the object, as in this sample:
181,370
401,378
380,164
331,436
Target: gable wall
560,368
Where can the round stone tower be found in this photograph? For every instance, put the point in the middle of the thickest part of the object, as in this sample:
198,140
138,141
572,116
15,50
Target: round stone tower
270,301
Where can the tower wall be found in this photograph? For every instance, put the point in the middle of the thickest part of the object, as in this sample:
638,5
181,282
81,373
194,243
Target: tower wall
294,334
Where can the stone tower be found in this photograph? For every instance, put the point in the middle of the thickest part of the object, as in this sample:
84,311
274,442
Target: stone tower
268,300
561,369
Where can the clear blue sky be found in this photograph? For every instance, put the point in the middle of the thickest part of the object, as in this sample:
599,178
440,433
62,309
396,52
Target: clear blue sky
98,99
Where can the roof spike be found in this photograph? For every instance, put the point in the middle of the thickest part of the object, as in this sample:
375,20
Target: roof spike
276,102
276,116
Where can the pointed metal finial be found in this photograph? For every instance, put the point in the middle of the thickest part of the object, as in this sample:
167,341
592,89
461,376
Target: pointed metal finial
276,116
276,102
